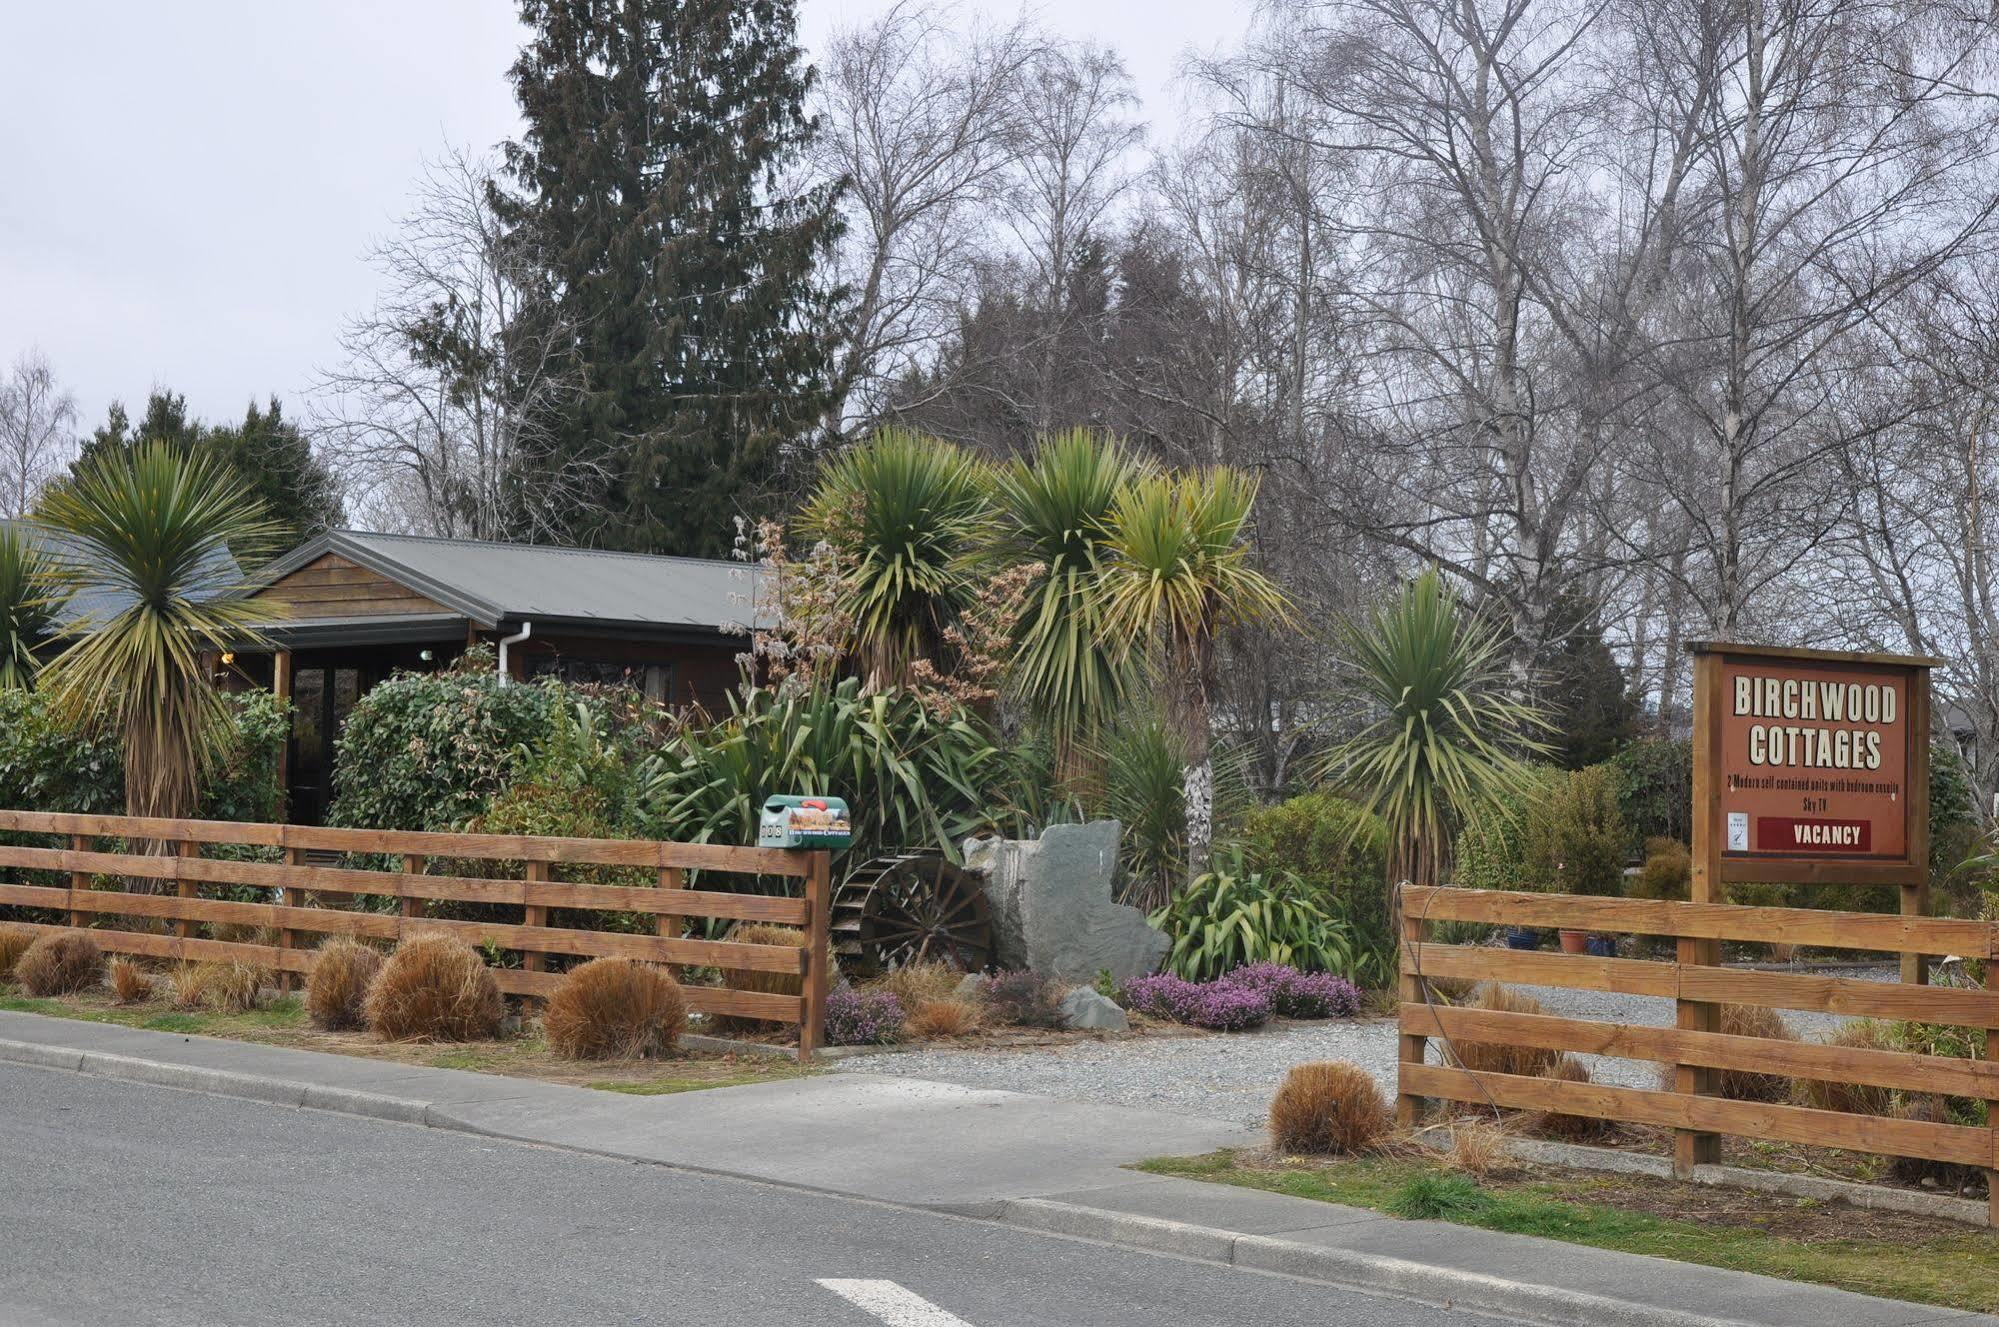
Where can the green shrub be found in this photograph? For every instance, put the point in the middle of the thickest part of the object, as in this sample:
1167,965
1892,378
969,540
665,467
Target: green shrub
1574,839
1337,851
914,779
1668,871
1439,1197
1233,915
45,766
429,751
1655,789
1490,847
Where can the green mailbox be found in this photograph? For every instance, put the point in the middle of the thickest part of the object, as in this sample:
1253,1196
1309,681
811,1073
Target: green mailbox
805,822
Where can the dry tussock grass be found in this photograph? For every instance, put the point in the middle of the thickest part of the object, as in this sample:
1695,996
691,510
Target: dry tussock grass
1493,1057
1479,1149
917,984
60,963
434,989
1746,1020
231,988
130,983
1571,1128
615,1009
14,942
768,983
1853,1098
932,1019
338,983
1330,1107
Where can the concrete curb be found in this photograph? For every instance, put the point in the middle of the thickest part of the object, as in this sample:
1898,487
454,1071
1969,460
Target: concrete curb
223,1082
1450,1287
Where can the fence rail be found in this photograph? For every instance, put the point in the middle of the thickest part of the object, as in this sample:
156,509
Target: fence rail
1686,1102
99,894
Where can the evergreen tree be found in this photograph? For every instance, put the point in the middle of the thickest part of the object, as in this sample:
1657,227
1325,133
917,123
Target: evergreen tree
651,187
274,459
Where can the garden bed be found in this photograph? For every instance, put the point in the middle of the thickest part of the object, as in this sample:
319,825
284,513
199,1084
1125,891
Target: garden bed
1894,1254
282,1022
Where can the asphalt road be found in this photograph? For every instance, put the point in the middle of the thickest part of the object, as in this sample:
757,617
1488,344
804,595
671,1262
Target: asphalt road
138,1205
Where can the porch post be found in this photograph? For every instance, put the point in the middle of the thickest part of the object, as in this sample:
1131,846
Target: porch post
281,687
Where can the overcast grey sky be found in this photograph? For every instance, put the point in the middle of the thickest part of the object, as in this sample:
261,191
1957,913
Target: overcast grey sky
190,188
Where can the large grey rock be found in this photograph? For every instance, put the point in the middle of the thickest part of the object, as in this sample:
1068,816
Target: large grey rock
1051,905
1083,1010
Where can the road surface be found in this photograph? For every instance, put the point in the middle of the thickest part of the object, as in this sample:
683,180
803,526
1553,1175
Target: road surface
139,1205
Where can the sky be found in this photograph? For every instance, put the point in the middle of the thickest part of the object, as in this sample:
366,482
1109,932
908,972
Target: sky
190,190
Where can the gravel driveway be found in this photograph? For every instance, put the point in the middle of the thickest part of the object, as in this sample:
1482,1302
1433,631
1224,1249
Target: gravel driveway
1232,1077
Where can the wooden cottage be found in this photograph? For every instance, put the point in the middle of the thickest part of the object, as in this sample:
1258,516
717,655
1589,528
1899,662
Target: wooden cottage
359,606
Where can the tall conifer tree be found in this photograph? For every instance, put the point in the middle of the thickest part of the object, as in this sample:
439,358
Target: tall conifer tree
654,187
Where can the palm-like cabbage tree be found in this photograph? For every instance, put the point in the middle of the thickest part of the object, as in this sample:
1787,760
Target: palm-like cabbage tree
1178,572
1055,512
28,602
152,543
1448,731
909,518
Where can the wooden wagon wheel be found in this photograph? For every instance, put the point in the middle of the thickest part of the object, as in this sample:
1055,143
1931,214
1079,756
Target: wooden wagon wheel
911,908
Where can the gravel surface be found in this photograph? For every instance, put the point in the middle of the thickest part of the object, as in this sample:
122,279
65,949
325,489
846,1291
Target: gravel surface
1232,1076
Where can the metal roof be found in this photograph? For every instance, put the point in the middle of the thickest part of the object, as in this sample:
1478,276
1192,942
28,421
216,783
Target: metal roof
98,601
494,583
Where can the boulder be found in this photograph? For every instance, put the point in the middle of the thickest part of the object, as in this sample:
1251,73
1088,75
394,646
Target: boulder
1084,1010
1051,905
970,987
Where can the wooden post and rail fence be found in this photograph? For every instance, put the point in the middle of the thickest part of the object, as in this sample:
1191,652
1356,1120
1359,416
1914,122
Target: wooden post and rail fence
187,875
1693,978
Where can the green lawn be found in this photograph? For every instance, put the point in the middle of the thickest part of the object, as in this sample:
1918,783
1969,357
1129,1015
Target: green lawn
1876,1253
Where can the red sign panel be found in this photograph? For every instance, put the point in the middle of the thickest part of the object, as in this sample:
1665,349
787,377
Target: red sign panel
1814,757
1798,834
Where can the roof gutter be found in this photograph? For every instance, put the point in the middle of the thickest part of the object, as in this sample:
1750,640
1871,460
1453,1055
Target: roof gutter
527,629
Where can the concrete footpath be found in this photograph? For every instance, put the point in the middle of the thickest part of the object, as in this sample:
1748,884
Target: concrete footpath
1027,1161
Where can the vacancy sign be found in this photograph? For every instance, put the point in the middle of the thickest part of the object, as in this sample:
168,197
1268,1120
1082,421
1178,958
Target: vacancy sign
1816,755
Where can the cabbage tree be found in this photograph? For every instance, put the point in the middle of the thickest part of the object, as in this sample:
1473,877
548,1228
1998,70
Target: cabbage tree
908,518
1054,512
152,543
28,602
1448,733
1178,574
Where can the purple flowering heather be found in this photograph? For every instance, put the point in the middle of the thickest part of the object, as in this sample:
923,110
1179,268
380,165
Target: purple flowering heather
862,1018
1318,995
1295,994
1226,1008
1162,996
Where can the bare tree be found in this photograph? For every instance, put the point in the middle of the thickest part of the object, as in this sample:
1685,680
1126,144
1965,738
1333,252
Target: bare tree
915,121
440,416
1074,141
1843,156
36,439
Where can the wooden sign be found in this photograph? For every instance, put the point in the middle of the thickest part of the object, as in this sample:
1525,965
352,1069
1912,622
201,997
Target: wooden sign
1816,764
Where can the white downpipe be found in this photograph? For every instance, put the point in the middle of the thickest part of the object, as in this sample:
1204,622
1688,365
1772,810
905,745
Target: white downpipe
527,629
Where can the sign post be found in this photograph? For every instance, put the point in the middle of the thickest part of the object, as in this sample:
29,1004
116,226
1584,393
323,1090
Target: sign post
1811,767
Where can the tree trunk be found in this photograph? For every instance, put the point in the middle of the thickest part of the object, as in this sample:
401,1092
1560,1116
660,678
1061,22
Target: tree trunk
1199,783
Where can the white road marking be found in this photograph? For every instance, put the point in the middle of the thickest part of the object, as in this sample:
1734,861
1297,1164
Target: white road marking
892,1304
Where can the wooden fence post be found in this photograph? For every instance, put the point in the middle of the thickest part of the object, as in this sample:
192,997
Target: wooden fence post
1690,1146
187,886
1412,1046
413,864
818,953
287,937
78,880
1992,1103
535,914
665,925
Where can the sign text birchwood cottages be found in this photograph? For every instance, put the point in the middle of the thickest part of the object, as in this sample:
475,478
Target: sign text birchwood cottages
1810,767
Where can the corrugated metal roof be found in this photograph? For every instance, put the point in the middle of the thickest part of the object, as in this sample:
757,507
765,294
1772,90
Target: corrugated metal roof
95,603
494,582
